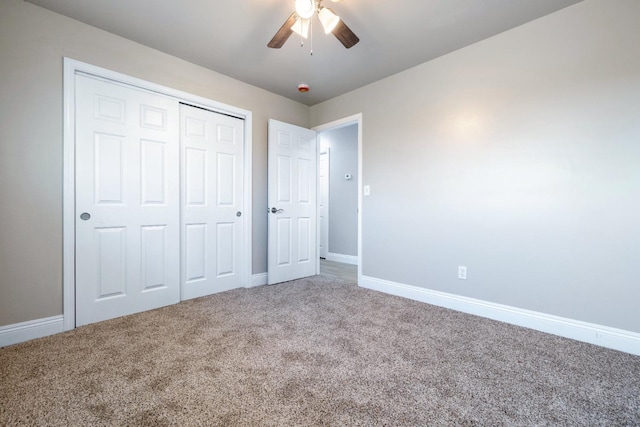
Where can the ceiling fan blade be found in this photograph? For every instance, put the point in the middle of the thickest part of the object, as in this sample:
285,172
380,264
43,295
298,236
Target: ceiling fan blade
345,35
283,33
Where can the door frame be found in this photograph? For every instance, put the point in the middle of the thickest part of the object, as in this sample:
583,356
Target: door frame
320,232
73,67
336,124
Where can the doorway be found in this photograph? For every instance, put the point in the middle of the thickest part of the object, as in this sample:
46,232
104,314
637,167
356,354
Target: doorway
287,205
340,198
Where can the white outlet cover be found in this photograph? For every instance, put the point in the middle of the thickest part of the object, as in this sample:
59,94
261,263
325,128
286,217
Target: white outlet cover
367,190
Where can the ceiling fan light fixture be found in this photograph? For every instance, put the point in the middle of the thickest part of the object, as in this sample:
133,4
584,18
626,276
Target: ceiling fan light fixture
328,19
305,8
301,19
301,27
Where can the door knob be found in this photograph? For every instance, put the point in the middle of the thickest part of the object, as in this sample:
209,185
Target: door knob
238,214
275,210
85,216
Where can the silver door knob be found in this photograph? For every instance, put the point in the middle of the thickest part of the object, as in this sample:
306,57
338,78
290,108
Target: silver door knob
276,210
238,214
85,216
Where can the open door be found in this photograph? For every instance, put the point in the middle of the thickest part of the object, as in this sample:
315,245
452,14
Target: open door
292,244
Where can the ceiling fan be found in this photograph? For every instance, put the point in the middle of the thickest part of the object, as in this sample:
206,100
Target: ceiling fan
300,22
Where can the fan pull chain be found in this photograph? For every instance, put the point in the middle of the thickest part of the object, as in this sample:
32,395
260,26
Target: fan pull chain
311,36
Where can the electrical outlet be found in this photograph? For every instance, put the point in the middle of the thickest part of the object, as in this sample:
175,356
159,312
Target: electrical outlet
462,272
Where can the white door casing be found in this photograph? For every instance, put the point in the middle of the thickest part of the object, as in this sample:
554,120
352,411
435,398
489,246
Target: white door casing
292,240
127,200
212,201
323,202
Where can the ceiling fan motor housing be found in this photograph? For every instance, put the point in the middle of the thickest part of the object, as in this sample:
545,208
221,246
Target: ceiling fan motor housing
305,8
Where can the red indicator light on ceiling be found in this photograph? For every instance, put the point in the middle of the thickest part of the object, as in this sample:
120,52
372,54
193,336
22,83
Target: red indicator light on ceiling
303,87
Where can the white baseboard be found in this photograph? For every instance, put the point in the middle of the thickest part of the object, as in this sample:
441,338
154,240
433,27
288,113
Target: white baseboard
258,280
604,336
25,331
345,259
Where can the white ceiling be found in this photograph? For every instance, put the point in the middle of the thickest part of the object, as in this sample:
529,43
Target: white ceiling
231,36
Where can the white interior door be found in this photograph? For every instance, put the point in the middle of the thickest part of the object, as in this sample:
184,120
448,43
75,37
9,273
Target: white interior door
323,199
212,201
292,202
127,200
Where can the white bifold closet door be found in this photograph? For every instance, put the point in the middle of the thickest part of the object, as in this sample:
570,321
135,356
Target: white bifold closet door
212,201
127,200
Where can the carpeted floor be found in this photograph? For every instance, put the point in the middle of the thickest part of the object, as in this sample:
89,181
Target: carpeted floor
317,351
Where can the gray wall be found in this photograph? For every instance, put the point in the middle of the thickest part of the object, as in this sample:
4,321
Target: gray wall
343,194
519,157
33,42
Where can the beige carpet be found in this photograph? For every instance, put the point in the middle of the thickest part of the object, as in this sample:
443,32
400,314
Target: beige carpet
317,351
